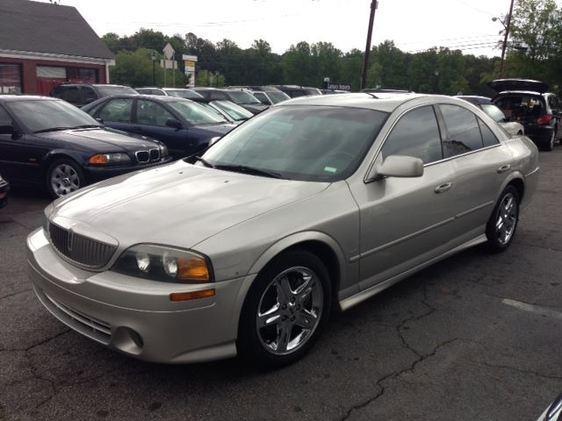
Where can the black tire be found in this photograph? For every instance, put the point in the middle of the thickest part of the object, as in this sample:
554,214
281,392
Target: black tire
496,241
549,144
80,180
251,347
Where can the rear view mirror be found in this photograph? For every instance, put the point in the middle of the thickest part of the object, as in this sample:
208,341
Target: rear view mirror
7,129
398,166
173,123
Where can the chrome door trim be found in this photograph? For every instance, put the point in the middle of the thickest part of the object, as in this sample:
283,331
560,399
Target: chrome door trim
474,209
355,299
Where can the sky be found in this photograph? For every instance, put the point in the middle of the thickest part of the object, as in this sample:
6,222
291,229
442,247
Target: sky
414,25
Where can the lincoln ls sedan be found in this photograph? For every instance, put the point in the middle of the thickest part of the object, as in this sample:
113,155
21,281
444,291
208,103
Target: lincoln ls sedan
315,204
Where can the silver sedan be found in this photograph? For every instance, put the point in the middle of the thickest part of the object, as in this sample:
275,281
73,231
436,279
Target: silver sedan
316,204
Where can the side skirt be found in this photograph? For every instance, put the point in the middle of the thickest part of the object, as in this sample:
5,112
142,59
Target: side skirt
349,302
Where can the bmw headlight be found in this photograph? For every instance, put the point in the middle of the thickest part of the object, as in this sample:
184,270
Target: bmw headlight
165,264
102,159
163,151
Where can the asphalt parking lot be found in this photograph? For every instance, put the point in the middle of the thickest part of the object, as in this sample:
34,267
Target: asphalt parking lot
476,337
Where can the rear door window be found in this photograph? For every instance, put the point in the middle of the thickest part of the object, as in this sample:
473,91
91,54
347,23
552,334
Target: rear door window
88,94
416,134
117,110
70,94
463,131
488,136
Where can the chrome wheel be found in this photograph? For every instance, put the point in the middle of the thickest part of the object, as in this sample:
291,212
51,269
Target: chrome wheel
506,220
64,179
289,310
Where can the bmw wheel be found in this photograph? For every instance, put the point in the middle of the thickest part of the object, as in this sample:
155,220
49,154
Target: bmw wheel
503,222
64,176
285,310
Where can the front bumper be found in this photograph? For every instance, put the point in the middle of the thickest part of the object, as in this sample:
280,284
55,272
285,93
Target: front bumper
95,174
133,315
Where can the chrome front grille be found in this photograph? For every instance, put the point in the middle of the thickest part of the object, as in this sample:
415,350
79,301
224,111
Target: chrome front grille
80,249
154,154
142,157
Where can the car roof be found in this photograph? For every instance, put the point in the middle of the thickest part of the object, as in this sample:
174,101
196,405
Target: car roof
476,99
163,98
13,98
385,102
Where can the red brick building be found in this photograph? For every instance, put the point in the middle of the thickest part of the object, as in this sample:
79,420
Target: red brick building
43,45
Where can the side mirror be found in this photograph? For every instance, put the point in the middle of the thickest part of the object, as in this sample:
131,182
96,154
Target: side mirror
397,166
214,140
173,123
9,129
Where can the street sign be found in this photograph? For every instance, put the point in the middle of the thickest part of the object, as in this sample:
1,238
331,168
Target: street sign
338,86
169,51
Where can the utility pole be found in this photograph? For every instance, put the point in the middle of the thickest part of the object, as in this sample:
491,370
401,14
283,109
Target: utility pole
368,46
504,47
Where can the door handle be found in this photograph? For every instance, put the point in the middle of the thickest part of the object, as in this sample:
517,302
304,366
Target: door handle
442,188
503,168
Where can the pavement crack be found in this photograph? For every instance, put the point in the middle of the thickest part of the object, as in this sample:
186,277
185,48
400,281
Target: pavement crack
394,374
15,293
519,370
46,340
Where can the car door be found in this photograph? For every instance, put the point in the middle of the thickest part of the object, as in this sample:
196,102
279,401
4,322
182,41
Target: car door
21,155
479,168
405,221
117,113
150,120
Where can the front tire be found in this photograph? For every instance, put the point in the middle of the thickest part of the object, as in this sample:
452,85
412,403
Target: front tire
285,310
501,226
64,176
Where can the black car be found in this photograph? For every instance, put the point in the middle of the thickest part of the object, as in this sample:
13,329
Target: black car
46,141
183,125
528,102
294,91
228,110
4,189
80,94
236,95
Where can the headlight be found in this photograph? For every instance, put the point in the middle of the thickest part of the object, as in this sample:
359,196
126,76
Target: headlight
163,151
165,264
102,159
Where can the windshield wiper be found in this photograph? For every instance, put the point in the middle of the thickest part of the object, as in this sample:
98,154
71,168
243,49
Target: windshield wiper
204,161
52,129
249,170
87,126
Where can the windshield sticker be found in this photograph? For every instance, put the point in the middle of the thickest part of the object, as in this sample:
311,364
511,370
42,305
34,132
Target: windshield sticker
330,170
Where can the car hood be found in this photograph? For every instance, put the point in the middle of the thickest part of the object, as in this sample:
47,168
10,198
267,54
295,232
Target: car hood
254,108
177,204
101,140
502,85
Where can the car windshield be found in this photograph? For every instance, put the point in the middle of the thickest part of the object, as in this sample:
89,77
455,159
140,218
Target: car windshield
277,96
184,93
236,112
195,113
312,143
494,112
242,97
213,110
48,115
115,90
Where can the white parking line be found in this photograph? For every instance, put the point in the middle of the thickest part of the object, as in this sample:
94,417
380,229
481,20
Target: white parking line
531,308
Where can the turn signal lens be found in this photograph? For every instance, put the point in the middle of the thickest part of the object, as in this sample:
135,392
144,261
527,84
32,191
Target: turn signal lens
100,159
194,295
192,269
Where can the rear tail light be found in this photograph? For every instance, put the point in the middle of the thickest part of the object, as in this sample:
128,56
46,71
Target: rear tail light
545,119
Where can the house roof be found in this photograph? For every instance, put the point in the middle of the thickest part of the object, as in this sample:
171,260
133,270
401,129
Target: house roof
36,27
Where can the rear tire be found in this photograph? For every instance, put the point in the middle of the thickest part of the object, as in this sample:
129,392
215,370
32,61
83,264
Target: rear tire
285,310
502,225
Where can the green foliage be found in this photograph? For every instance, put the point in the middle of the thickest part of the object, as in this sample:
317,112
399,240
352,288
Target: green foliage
537,24
536,42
